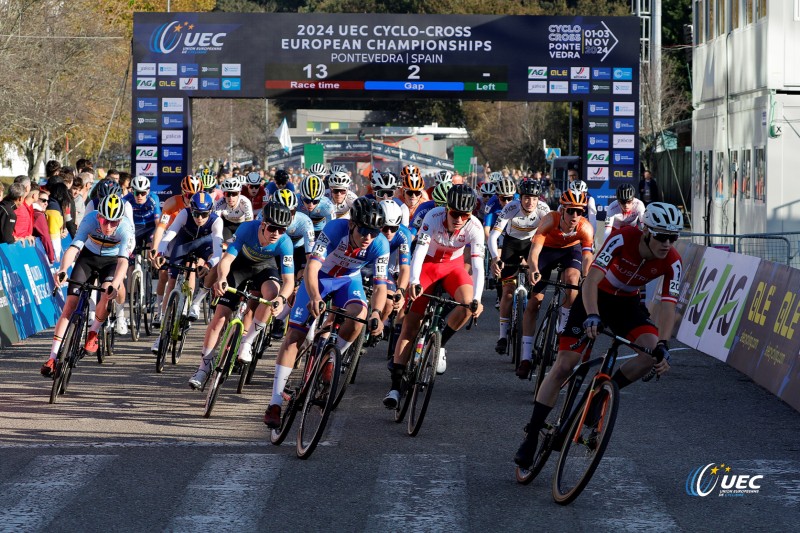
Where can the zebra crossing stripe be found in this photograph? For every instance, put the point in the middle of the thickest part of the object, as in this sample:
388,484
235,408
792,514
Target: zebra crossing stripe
420,493
225,483
43,489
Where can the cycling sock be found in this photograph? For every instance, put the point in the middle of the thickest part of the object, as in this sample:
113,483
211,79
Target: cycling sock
397,375
540,412
527,348
504,327
56,346
207,351
447,333
563,315
281,377
620,379
120,308
284,312
96,325
343,344
255,328
199,294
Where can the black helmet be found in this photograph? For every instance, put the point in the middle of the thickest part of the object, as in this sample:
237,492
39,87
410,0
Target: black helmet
529,187
106,187
281,177
367,213
461,198
625,192
277,214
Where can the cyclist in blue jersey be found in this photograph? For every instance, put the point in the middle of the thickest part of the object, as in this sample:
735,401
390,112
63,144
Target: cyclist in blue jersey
505,192
280,181
399,238
102,244
312,202
259,252
146,209
334,270
439,194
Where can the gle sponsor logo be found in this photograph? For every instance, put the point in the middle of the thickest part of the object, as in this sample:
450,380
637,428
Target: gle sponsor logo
209,84
191,38
601,73
579,87
167,69
169,169
172,105
231,84
537,73
703,480
172,153
171,121
623,174
189,69
167,84
145,69
171,136
579,73
559,87
147,136
598,109
597,174
597,157
623,74
537,86
231,69
559,73
146,153
188,84
146,169
624,109
146,84
147,104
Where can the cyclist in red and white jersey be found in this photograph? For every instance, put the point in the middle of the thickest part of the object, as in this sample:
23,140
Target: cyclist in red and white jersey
629,259
626,210
253,189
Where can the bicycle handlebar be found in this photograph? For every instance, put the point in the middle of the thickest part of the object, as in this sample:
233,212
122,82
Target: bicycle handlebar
248,296
84,285
618,339
559,284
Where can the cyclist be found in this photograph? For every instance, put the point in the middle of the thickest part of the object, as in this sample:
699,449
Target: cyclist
313,203
261,253
505,192
104,188
334,270
279,181
446,232
517,223
102,244
234,208
146,209
383,187
579,185
487,191
626,210
563,238
439,195
209,184
399,238
253,189
172,206
412,192
339,193
443,176
321,171
627,261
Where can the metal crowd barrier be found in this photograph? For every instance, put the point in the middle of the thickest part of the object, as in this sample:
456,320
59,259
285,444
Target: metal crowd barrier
781,248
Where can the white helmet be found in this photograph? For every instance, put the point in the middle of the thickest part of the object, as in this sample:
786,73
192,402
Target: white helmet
494,177
318,169
392,213
253,178
339,180
387,180
487,188
505,186
442,176
231,185
578,186
663,217
140,184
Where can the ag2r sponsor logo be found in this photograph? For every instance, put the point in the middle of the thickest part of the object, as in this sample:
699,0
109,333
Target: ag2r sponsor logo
537,73
146,84
597,157
146,153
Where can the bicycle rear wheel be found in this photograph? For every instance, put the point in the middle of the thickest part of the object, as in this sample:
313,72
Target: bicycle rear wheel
292,400
167,326
349,366
318,402
63,369
148,300
222,369
584,446
423,387
135,306
177,346
545,340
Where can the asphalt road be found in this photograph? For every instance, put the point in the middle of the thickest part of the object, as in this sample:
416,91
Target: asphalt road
128,450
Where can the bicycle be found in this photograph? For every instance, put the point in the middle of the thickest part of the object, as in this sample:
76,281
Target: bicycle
224,363
311,392
175,322
72,350
518,304
107,335
418,379
260,345
136,307
581,440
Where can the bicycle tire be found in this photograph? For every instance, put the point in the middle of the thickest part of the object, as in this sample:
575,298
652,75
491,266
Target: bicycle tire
147,300
111,337
62,363
135,307
207,308
318,403
220,372
293,401
567,487
407,383
170,315
423,386
348,367
177,346
516,337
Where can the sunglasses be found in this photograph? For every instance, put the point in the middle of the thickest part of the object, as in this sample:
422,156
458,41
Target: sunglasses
664,237
231,194
200,214
390,229
254,186
458,215
338,191
106,222
413,193
384,192
309,201
140,193
505,198
364,232
486,196
275,229
43,200
574,211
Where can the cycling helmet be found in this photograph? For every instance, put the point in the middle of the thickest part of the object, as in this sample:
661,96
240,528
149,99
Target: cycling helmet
442,176
392,213
277,214
107,187
440,193
529,187
367,213
201,201
625,192
281,177
412,179
663,217
494,177
505,186
318,169
208,181
461,198
312,187
231,185
286,197
140,184
387,180
111,207
578,186
339,180
487,188
253,178
190,185
573,199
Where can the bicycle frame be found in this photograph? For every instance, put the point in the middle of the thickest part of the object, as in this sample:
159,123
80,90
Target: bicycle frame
185,293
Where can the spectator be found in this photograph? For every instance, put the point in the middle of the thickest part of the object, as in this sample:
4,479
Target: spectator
67,174
124,182
79,192
8,212
112,174
57,212
38,201
648,189
2,189
52,168
69,210
23,230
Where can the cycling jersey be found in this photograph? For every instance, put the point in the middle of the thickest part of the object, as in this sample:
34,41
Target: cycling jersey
172,206
241,212
147,214
338,258
419,216
89,235
184,229
617,218
342,210
257,199
301,232
516,223
244,243
272,188
400,249
625,270
320,214
549,233
492,209
371,196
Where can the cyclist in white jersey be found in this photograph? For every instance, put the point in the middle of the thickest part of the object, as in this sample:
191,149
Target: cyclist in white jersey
517,222
234,208
339,193
626,210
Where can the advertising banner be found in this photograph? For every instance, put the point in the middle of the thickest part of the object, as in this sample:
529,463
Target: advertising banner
8,330
691,257
717,301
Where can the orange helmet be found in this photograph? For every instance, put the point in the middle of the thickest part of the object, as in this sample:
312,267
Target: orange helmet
191,185
412,179
573,199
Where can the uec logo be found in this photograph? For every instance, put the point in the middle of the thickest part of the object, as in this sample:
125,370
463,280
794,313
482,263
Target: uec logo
168,37
704,479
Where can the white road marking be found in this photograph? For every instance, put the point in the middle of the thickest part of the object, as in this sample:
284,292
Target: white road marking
46,487
420,493
216,499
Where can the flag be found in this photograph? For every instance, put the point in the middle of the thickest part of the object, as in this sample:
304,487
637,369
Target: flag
282,133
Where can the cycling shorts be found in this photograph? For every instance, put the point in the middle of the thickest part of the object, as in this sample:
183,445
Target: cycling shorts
299,258
345,290
452,275
256,273
88,262
181,246
550,258
228,229
512,254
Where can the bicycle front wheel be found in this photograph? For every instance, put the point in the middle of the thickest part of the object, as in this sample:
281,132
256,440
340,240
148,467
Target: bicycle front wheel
135,307
167,326
348,367
423,387
516,330
319,399
71,342
585,443
222,369
148,300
